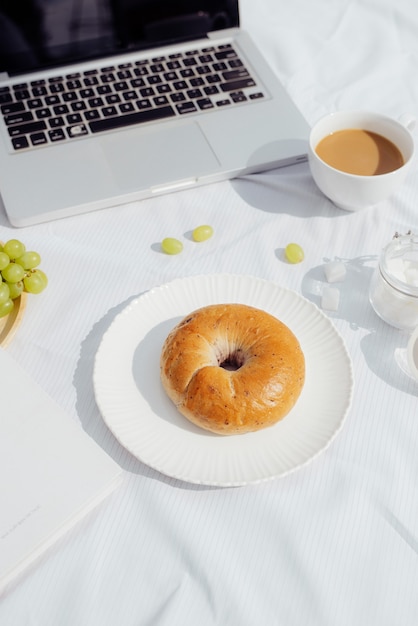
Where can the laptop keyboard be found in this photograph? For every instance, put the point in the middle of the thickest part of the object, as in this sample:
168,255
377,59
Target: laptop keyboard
62,108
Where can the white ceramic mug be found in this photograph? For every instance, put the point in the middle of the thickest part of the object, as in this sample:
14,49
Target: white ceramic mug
353,192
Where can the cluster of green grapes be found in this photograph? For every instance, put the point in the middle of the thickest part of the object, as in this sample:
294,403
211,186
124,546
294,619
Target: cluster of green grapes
18,272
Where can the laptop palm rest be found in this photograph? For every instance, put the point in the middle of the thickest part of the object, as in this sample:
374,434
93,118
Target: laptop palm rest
147,160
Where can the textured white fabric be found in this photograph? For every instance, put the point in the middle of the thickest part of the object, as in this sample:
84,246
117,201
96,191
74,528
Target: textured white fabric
333,544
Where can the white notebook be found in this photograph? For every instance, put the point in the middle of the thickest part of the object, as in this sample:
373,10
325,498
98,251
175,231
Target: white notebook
51,472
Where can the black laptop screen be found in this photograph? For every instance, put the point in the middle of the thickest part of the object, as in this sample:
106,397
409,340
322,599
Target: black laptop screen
47,33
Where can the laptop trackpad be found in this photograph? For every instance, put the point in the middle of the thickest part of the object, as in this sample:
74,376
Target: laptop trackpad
147,158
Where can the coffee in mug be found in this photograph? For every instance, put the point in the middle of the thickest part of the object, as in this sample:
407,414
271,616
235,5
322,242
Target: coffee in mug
361,152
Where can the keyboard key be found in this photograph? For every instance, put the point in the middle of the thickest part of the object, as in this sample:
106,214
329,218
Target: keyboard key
129,95
160,100
211,90
91,115
79,105
24,129
109,111
126,107
124,74
12,107
56,135
169,76
186,107
55,122
18,118
90,81
121,86
95,103
43,113
157,68
213,78
114,98
143,104
204,103
238,97
38,139
35,103
104,89
61,109
88,92
141,71
20,142
69,96
197,82
225,54
73,118
180,85
108,78
154,80
132,118
235,74
146,92
73,84
173,65
77,131
237,85
194,93
137,82
178,96
24,94
38,91
56,88
5,97
20,86
52,100
164,88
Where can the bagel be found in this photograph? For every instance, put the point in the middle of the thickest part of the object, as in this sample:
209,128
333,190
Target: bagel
232,368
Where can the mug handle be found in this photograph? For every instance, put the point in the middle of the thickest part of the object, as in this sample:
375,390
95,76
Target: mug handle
408,120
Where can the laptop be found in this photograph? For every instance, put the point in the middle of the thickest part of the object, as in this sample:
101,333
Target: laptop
105,102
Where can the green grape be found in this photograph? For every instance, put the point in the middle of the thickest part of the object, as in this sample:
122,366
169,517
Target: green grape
15,289
201,233
35,281
42,275
6,307
29,260
13,273
294,253
4,260
170,245
4,293
14,248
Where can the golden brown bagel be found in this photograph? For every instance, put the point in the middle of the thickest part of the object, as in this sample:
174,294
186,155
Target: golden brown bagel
232,368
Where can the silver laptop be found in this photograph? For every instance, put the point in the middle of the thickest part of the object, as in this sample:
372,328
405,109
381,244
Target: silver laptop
105,102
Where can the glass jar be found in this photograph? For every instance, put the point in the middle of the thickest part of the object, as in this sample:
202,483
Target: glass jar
394,285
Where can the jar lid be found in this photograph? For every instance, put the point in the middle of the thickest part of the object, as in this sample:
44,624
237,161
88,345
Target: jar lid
399,264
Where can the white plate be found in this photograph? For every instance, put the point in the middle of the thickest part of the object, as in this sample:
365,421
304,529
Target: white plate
135,407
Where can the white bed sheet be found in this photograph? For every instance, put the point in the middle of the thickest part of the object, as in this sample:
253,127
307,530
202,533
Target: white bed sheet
333,544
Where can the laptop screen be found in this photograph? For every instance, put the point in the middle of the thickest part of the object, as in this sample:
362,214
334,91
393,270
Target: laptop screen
46,33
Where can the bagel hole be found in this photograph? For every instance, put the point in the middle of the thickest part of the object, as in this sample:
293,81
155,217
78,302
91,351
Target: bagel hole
232,362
